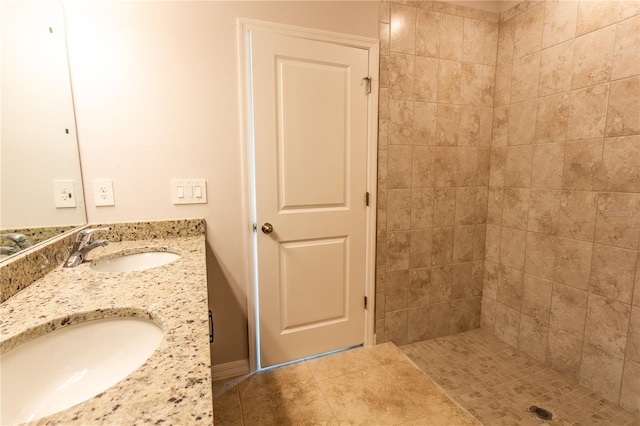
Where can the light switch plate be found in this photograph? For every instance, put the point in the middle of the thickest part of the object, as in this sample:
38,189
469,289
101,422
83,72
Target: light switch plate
63,193
103,192
189,191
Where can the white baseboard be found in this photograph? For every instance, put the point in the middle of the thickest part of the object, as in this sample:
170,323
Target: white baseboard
230,369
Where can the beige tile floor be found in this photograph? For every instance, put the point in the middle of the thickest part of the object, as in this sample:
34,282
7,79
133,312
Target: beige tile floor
381,386
497,384
367,386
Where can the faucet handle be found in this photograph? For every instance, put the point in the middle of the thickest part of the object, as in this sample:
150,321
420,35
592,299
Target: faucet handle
87,234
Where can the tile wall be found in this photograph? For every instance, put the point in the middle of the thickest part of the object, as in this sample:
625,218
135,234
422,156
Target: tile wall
561,279
436,107
533,145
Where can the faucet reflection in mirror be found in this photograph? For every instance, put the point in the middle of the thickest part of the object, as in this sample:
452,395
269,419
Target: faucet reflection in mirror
15,243
38,125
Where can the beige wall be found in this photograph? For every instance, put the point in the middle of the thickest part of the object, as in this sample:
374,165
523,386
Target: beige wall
563,223
436,102
157,97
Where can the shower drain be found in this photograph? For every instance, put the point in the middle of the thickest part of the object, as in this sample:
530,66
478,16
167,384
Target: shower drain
541,412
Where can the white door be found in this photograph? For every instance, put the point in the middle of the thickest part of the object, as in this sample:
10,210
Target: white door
310,157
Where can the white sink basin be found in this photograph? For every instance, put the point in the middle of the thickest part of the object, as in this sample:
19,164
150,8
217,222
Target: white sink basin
135,262
70,365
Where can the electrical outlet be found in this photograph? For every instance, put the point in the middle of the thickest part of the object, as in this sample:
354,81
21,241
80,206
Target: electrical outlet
103,192
63,194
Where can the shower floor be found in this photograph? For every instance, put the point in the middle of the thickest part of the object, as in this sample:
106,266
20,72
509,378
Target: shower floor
497,384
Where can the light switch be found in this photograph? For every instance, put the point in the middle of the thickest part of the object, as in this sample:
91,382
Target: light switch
188,191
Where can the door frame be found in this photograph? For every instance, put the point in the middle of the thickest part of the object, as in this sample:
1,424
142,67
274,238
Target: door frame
245,26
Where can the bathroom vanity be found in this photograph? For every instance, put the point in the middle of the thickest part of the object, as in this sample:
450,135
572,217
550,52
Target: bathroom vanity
173,386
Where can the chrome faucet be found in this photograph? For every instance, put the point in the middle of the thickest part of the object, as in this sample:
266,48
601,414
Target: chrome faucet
83,245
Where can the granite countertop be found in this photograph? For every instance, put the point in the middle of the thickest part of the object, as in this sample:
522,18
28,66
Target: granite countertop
174,385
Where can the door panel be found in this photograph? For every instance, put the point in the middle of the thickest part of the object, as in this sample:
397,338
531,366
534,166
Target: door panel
313,283
310,137
306,146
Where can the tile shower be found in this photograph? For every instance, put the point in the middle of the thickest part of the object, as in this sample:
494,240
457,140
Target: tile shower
509,182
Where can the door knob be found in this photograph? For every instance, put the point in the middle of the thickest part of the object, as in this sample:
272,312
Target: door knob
267,228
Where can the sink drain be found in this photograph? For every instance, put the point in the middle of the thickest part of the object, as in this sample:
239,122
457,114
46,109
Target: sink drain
541,412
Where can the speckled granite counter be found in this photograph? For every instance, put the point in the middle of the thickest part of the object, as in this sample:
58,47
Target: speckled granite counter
173,387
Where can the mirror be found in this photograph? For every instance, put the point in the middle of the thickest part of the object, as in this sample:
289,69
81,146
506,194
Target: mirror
40,178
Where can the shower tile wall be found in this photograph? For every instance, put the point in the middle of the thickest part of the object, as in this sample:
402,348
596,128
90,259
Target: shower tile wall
436,107
561,279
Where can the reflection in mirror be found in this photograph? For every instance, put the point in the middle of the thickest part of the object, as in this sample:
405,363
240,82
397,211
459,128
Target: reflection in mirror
40,179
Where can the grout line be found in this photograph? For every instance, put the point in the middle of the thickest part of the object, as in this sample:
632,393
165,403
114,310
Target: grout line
239,402
324,396
625,358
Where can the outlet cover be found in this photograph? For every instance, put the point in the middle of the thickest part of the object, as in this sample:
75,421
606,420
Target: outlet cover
63,193
103,192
